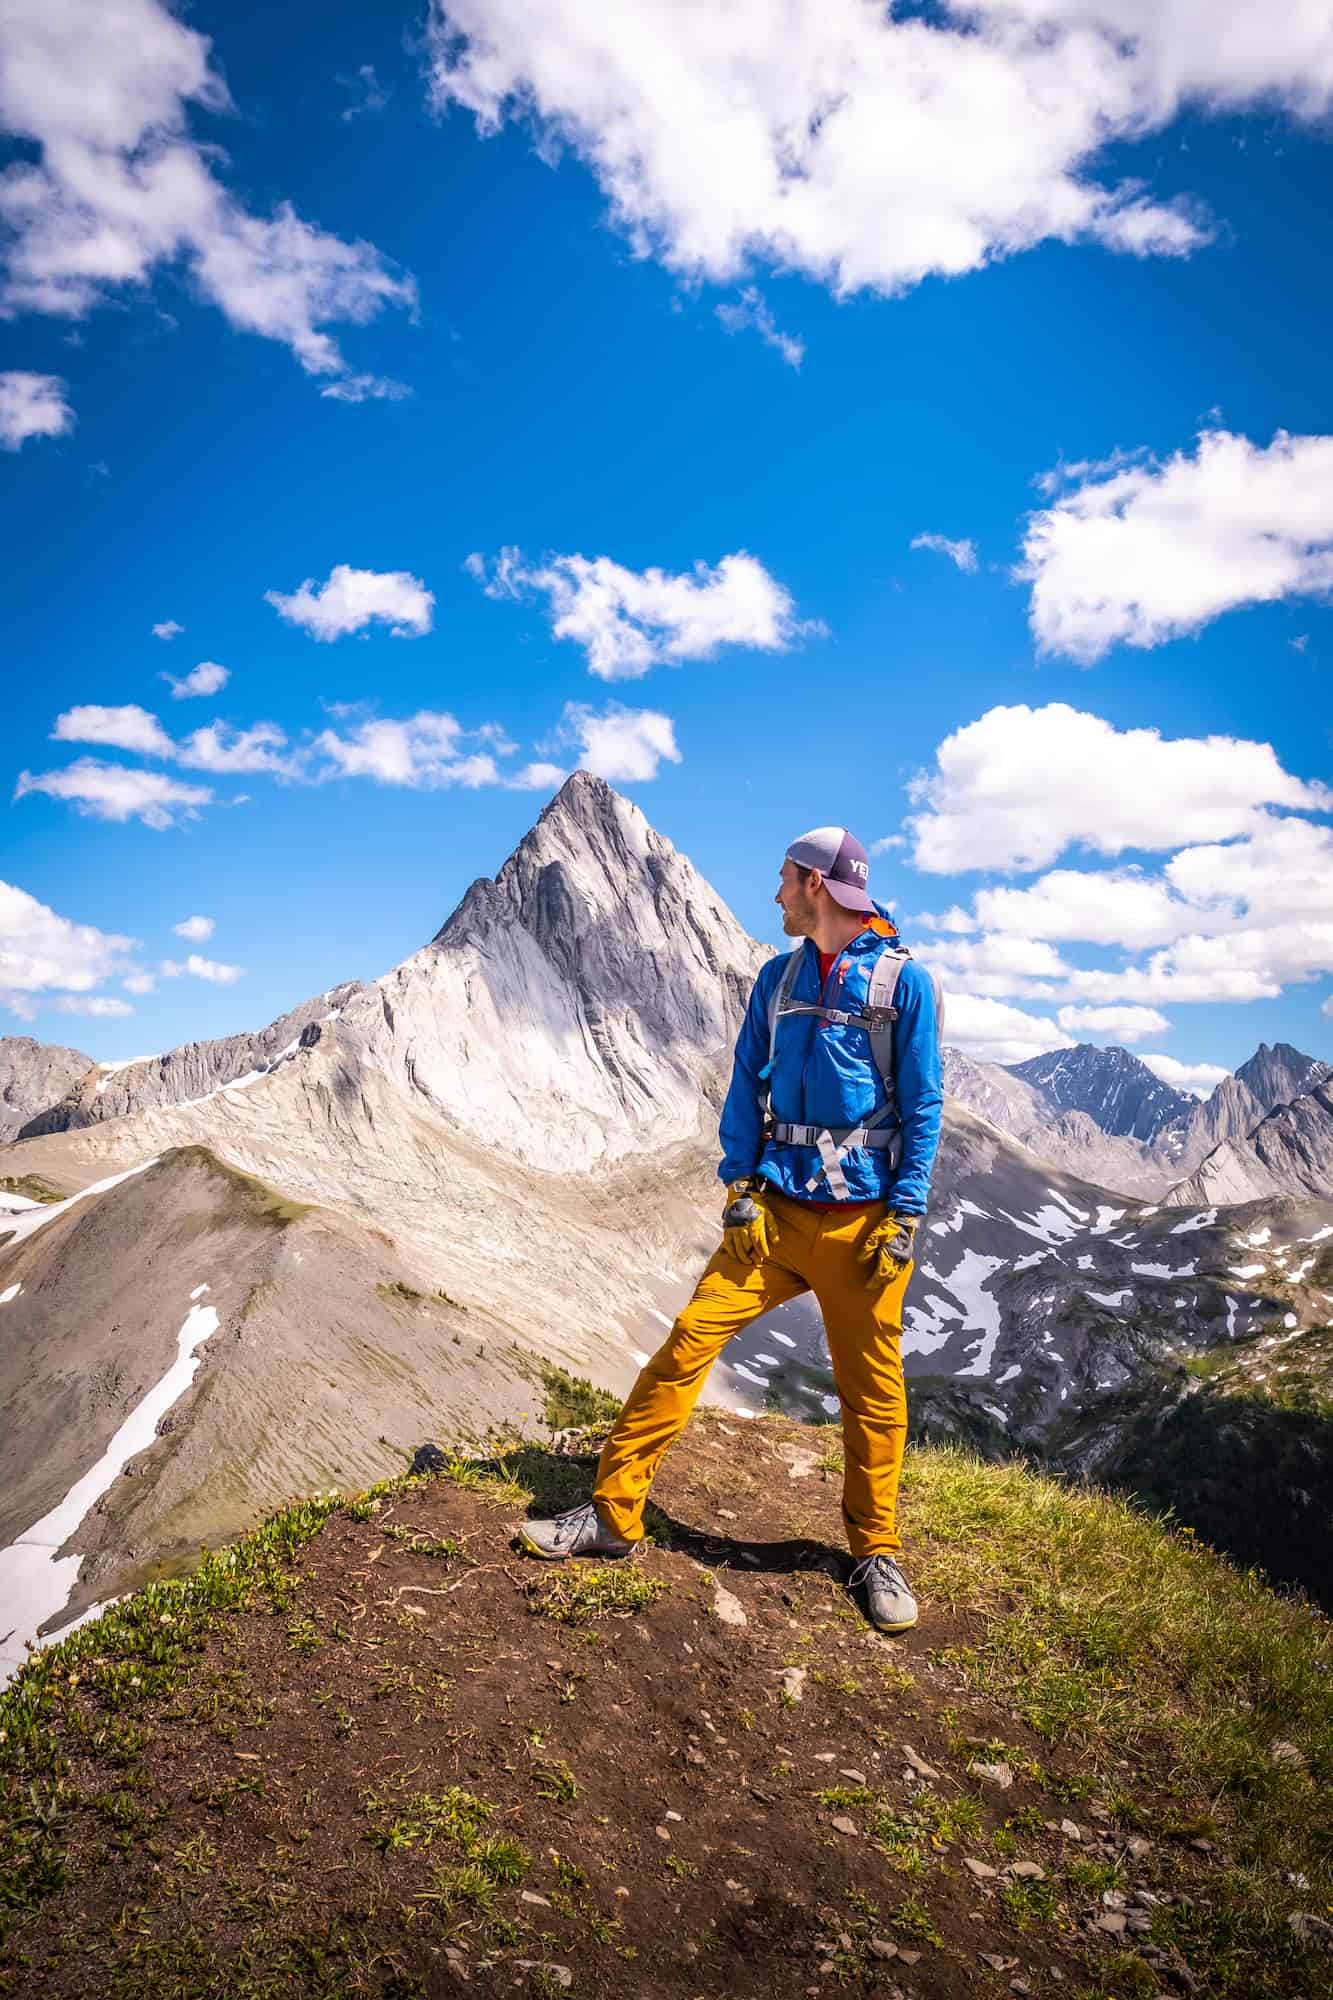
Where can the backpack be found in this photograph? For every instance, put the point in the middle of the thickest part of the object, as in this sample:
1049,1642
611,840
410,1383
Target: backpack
883,1129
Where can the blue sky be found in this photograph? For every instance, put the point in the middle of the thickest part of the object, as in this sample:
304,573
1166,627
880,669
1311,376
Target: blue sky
564,390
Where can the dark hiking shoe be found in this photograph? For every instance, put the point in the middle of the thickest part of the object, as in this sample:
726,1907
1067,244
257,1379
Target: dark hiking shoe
890,1605
581,1532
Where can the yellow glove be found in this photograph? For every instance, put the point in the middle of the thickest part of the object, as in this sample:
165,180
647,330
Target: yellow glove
889,1248
748,1231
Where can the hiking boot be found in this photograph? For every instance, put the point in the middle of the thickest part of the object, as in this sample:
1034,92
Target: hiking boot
890,1605
581,1532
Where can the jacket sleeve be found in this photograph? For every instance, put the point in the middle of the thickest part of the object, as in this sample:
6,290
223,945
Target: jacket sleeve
916,1066
741,1126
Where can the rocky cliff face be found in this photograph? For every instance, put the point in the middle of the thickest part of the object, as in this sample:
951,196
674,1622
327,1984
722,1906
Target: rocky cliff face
183,1075
34,1075
1288,1152
1072,1140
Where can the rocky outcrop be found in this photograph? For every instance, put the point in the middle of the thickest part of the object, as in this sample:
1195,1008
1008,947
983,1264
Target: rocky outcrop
1072,1140
1288,1152
183,1075
34,1075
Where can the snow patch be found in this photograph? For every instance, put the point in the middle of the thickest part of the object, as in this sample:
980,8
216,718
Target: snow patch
1203,1220
199,1291
1160,1271
1258,1236
26,1225
1245,1270
785,1338
11,1292
1010,1374
1106,1219
1111,1299
637,1355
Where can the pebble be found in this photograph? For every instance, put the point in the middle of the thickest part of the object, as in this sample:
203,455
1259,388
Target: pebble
857,1777
728,1607
1070,1831
733,1884
1027,1871
919,1764
981,1869
725,1514
793,1682
825,1756
1113,1899
1137,1848
883,1948
531,1896
1202,1846
802,1465
1311,1930
662,1832
1110,1920
996,1962
695,1756
671,1815
993,1774
844,1825
909,1957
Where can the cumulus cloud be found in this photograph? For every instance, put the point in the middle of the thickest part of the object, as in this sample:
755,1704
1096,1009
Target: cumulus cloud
140,982
207,678
127,728
1327,1008
963,554
351,599
218,748
992,1032
1156,550
43,953
31,405
751,312
869,147
538,778
100,1006
425,751
623,745
168,629
365,389
1017,787
628,621
118,792
369,95
195,967
197,930
1127,1024
115,188
1199,1079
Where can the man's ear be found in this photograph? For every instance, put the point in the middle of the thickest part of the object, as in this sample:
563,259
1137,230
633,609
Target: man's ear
814,881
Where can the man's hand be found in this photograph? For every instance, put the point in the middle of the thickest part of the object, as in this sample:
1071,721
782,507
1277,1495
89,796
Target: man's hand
889,1248
747,1226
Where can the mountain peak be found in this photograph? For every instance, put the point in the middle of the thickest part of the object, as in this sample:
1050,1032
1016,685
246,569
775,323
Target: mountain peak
1275,1075
1117,1090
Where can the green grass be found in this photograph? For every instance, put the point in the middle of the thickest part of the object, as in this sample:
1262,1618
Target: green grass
33,1187
577,1595
572,1400
264,1203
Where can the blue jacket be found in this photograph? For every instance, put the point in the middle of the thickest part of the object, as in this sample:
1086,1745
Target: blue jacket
825,1075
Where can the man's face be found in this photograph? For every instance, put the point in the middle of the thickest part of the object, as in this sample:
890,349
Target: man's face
796,898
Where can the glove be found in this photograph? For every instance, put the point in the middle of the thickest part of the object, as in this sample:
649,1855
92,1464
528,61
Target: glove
747,1226
889,1248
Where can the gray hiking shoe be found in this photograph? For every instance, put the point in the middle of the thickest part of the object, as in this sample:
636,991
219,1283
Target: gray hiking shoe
581,1532
890,1605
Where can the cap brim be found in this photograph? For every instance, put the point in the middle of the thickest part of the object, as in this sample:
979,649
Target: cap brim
850,898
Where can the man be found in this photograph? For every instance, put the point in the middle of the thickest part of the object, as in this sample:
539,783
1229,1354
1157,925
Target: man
827,1169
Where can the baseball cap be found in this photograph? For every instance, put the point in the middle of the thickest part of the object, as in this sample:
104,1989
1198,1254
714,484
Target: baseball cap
840,859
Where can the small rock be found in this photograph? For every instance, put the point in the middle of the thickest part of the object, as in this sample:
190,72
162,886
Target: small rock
1070,1831
1311,1930
996,1962
825,1756
622,1890
793,1682
671,1815
1027,1871
662,1832
802,1464
826,1965
982,1870
429,1458
725,1514
909,1957
883,1948
561,1974
1202,1846
544,1902
857,1777
1147,1898
844,1825
728,1607
1020,1985
1298,1881
732,1884
696,1757
1110,1920
993,1774
1137,1848
919,1764
1139,1922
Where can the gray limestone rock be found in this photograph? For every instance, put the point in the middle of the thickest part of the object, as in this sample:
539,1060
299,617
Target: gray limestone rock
34,1075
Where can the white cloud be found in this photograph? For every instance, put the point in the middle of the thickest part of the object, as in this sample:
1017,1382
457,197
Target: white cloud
140,982
1091,905
628,621
261,747
118,792
99,1005
1127,1024
127,728
992,1032
198,930
887,844
41,952
962,554
354,598
168,629
195,967
623,745
119,189
538,778
868,147
31,406
207,678
370,94
423,751
1199,1079
1327,1008
999,966
1157,550
366,389
752,311
1015,788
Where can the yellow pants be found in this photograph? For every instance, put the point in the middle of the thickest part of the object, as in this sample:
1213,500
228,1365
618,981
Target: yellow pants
815,1250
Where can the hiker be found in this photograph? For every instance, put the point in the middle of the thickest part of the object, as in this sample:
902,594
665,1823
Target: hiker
829,1133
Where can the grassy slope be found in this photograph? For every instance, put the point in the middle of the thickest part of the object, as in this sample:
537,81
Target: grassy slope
346,1755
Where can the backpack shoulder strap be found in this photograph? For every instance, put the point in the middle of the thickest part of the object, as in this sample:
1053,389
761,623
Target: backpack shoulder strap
777,1001
880,991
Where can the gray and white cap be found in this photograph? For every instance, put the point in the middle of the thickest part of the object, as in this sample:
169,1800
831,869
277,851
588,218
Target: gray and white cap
841,860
